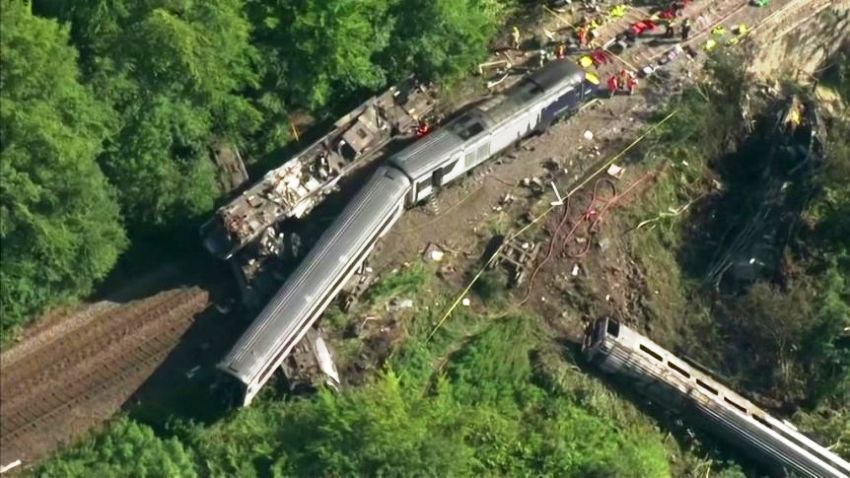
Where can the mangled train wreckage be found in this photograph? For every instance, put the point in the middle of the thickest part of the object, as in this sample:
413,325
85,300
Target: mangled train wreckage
246,230
412,175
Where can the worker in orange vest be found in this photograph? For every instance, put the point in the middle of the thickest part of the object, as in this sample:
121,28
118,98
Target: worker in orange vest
583,33
630,83
613,85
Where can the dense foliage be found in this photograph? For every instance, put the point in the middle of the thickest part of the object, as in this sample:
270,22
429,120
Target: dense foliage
60,224
127,448
139,92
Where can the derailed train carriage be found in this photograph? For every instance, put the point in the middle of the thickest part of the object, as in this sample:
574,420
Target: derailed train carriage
674,383
412,175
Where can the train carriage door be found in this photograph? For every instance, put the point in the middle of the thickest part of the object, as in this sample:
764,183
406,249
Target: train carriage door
438,177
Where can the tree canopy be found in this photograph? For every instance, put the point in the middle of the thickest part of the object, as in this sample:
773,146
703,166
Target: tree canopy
173,72
60,223
126,448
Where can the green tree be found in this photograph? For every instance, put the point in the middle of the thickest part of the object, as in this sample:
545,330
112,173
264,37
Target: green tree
176,73
442,39
325,50
126,448
59,222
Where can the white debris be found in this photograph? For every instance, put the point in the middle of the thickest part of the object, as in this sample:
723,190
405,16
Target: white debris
615,171
326,362
433,253
608,298
466,302
7,467
191,373
588,135
400,304
575,271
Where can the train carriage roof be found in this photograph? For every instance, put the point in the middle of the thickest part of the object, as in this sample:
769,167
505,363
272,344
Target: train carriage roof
426,154
286,312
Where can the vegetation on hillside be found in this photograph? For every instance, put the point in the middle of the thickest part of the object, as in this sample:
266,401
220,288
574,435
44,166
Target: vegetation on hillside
110,109
783,335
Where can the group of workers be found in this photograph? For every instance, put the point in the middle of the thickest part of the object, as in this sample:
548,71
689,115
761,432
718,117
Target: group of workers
625,81
670,29
586,33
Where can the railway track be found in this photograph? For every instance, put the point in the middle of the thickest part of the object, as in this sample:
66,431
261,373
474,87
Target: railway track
102,357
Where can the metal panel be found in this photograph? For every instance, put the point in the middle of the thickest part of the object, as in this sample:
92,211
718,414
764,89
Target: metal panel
718,408
284,315
422,157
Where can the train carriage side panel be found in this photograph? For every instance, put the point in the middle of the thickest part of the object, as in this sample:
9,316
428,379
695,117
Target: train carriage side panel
660,375
317,279
484,131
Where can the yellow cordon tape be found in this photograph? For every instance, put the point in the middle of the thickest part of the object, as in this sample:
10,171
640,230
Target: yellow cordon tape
537,219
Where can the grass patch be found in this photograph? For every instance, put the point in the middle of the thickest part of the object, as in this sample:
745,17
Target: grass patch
407,281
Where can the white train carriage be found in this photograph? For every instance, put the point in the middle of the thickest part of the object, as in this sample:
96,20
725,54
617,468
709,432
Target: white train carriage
485,130
670,381
316,281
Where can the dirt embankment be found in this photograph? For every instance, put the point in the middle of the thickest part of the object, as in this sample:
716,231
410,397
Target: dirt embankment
800,38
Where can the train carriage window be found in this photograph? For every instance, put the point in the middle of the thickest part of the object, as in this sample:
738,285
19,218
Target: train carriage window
761,420
425,183
613,328
651,353
679,369
707,386
440,173
467,127
739,407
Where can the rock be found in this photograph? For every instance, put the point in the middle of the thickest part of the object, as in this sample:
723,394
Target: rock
588,135
604,244
400,304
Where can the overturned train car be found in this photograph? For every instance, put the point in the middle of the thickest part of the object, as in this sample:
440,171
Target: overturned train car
411,175
670,381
